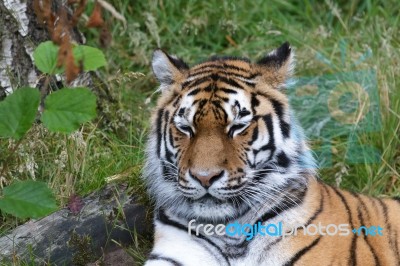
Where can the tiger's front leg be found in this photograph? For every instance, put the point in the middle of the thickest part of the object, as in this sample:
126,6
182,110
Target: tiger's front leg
174,246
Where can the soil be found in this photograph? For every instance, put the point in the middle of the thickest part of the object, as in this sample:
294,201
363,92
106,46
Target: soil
115,257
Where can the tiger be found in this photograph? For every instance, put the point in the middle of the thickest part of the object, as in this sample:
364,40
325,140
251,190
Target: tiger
225,149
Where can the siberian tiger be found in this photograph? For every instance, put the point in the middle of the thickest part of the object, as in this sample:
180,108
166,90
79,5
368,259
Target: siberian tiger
225,148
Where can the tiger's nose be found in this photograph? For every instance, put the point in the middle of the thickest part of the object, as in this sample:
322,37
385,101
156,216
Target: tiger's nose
206,178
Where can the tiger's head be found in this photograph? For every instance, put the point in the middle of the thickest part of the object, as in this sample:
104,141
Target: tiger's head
223,140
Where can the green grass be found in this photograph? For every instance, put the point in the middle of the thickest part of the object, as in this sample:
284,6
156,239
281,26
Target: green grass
196,30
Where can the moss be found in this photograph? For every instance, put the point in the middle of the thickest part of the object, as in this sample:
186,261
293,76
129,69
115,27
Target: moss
82,249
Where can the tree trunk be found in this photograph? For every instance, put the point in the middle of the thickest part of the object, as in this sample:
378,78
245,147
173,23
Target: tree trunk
20,33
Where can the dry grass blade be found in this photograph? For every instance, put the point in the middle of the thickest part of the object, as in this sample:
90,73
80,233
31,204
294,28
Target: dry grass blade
113,11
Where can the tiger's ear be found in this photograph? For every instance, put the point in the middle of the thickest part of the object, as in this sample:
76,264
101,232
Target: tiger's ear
167,68
279,63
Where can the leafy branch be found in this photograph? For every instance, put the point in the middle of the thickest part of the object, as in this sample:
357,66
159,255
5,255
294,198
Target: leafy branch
64,110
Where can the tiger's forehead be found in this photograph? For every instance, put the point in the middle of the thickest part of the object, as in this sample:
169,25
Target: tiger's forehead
213,109
221,64
218,85
222,73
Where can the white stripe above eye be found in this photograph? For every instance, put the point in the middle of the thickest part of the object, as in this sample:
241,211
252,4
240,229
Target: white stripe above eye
246,80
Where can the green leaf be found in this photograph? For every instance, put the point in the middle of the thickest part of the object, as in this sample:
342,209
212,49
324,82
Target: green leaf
66,109
28,199
45,57
18,111
91,57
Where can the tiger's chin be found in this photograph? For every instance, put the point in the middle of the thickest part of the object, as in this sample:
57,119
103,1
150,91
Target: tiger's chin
212,210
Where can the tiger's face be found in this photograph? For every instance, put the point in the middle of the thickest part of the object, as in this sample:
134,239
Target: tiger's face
221,141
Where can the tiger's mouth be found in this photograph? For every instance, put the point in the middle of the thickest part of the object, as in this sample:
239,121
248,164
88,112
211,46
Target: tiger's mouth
209,209
211,200
208,198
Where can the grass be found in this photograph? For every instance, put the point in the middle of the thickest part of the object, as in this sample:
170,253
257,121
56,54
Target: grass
196,30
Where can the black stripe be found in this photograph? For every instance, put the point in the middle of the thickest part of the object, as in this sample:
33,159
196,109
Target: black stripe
223,66
389,228
229,58
170,260
229,91
396,246
278,107
208,71
232,187
363,206
284,205
270,127
283,160
362,222
194,83
287,203
285,128
168,153
214,76
224,99
219,107
200,72
317,212
181,111
375,207
210,88
271,144
302,252
238,78
158,129
171,138
167,174
254,136
243,113
163,218
254,102
202,103
231,82
177,99
217,114
352,258
268,247
228,66
194,92
235,128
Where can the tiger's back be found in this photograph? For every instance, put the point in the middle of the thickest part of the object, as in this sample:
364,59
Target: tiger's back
376,241
226,148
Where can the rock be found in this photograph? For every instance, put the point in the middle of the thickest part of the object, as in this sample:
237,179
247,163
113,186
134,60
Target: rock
66,239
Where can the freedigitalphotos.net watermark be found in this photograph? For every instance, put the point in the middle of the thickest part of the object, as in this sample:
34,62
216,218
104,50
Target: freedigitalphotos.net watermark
280,230
342,104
